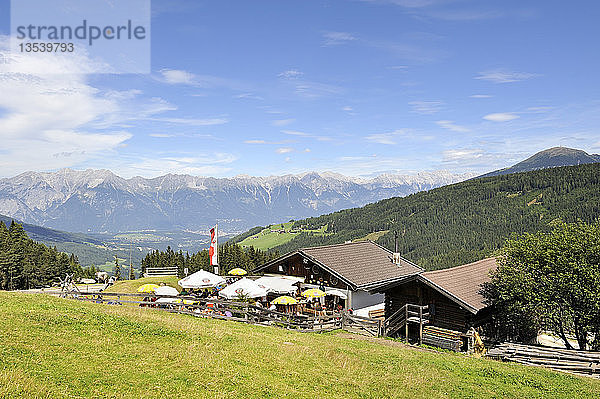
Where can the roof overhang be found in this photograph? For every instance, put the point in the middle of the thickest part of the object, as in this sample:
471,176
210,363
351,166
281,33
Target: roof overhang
306,256
419,277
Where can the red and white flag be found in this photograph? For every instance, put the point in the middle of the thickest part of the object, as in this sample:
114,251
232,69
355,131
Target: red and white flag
213,252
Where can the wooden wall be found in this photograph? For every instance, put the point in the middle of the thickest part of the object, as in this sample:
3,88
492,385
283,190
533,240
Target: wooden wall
313,274
448,314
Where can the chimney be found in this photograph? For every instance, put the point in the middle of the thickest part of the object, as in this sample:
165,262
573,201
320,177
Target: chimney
396,258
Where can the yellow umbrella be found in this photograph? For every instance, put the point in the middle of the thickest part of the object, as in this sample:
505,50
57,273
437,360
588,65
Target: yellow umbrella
313,293
237,272
184,301
284,300
147,288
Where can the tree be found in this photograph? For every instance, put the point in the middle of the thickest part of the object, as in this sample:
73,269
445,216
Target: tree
549,281
117,272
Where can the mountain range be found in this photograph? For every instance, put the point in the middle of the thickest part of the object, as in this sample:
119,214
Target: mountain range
100,201
550,158
462,222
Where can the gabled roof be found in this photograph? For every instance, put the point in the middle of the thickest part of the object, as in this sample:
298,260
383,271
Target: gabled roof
358,264
464,282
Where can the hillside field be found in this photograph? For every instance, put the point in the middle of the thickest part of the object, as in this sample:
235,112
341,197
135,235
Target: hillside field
55,348
277,234
131,286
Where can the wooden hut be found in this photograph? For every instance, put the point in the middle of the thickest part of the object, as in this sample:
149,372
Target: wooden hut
453,296
352,267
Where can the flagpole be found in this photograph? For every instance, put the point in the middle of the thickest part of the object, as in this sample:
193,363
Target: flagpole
217,247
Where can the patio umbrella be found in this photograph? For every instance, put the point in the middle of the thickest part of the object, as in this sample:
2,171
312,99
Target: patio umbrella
313,293
201,279
285,300
147,288
337,293
237,272
166,290
244,287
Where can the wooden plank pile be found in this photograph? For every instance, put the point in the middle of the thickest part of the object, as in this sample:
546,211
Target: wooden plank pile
377,314
571,361
442,338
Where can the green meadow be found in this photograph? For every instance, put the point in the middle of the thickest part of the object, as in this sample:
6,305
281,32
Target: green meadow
271,236
58,348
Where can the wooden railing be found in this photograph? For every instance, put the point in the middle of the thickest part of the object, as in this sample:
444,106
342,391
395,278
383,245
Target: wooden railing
408,313
242,312
219,309
161,271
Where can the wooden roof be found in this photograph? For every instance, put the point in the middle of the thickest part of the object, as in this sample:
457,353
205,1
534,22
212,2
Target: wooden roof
464,282
359,264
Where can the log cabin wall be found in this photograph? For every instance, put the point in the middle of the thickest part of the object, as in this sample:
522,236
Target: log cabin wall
446,313
312,273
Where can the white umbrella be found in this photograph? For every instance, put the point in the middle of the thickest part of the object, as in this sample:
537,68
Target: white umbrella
336,293
166,290
201,279
168,300
277,285
245,287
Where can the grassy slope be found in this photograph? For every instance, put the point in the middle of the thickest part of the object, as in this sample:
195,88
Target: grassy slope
267,239
131,286
57,348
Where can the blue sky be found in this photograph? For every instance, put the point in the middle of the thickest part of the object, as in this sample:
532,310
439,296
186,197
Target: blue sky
355,87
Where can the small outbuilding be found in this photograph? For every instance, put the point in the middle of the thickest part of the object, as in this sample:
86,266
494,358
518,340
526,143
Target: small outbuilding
453,296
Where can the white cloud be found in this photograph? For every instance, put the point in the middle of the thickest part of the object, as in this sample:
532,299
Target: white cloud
500,117
191,121
315,89
307,135
481,96
337,38
284,150
504,76
347,109
282,122
296,133
426,107
291,74
176,76
249,96
389,138
462,154
181,77
450,125
215,164
51,120
162,135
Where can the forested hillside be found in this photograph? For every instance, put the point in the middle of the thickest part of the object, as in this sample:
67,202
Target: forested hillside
230,257
25,263
466,221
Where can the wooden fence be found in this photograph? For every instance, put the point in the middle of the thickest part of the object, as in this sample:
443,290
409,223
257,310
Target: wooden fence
567,360
239,311
362,325
160,271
